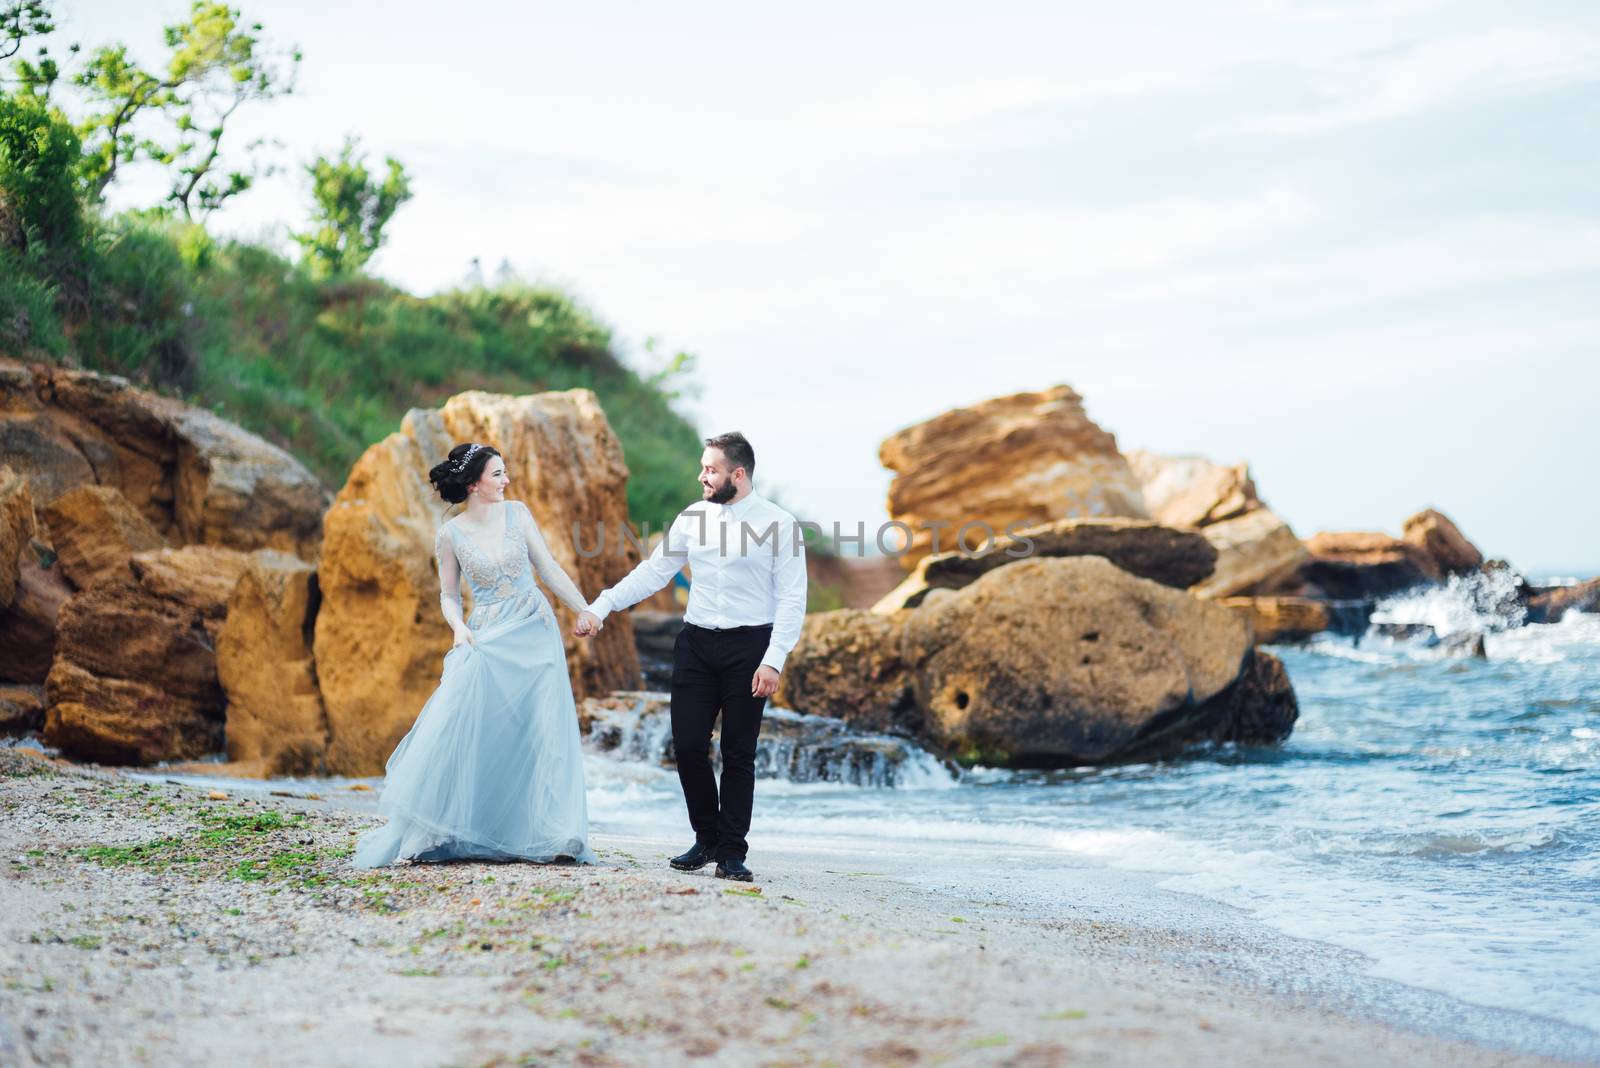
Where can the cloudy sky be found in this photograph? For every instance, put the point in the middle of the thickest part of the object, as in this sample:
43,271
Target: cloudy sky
1354,243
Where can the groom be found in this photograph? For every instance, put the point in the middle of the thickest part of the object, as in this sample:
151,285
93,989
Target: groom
747,598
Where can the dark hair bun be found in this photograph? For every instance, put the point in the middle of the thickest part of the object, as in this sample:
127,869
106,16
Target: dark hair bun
455,476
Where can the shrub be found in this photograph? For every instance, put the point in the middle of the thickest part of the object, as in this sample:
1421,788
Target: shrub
39,155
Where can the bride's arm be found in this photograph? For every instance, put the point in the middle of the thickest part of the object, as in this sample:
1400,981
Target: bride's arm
548,567
450,586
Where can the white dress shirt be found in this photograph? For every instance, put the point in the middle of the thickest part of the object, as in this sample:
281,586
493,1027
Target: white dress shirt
748,562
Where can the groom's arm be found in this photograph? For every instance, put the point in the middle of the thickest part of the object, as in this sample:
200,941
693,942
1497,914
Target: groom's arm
652,573
789,586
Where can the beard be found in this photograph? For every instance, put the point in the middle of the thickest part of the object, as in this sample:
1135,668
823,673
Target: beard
723,493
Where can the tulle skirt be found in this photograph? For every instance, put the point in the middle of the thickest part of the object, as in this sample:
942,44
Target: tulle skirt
492,769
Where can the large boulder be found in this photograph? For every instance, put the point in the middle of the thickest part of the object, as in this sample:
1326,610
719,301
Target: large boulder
95,531
1351,565
201,577
379,635
134,679
847,665
1069,661
1260,708
16,530
1192,491
1028,458
1177,558
1281,619
1256,552
264,662
1442,540
196,477
1549,604
28,627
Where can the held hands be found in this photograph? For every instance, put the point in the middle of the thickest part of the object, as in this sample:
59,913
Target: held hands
764,683
588,625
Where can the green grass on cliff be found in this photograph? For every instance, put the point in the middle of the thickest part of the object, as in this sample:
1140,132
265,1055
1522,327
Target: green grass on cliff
325,368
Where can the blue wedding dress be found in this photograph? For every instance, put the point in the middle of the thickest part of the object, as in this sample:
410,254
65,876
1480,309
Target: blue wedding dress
492,769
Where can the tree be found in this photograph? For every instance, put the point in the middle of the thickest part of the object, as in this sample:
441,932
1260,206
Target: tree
217,64
351,209
20,20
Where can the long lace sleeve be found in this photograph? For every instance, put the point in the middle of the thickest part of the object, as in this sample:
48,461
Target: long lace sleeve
548,567
444,553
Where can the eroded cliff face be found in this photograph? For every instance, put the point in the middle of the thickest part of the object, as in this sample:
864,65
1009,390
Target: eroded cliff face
195,477
379,636
166,571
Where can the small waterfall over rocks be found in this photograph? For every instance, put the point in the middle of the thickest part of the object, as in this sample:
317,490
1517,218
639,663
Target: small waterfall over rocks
636,726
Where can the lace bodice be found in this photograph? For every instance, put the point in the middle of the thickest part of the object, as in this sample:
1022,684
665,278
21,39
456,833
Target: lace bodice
491,576
502,573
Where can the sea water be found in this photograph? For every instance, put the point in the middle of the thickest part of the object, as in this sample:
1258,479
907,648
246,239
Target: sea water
1436,812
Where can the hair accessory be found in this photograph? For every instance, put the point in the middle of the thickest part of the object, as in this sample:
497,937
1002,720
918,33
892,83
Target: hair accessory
466,458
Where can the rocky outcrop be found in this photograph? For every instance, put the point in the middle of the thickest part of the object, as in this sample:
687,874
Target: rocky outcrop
200,576
1177,558
1045,662
1028,458
1281,619
1442,541
847,665
21,708
16,530
379,637
1260,708
1256,550
264,663
1191,491
196,478
28,627
95,531
1350,565
134,680
1551,603
1066,661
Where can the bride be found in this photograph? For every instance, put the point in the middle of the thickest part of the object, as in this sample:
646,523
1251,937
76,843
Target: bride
492,769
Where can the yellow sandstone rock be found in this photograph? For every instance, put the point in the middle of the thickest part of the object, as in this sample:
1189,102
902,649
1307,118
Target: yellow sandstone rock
196,477
264,662
95,531
1066,660
1027,458
380,639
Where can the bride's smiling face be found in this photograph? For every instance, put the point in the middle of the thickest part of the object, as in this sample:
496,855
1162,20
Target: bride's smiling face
491,485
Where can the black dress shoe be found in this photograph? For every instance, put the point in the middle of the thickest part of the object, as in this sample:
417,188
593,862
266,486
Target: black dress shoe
698,856
734,869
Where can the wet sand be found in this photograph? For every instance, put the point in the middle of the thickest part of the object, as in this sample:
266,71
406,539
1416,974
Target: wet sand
143,922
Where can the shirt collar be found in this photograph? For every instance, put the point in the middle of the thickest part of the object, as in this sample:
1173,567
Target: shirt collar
742,508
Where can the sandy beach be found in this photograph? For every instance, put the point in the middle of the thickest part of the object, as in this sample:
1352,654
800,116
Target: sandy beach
144,922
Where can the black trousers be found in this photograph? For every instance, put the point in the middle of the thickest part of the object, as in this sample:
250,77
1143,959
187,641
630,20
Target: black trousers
711,673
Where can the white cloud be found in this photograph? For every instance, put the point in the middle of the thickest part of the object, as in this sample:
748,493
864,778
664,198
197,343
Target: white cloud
1394,84
1338,11
921,103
